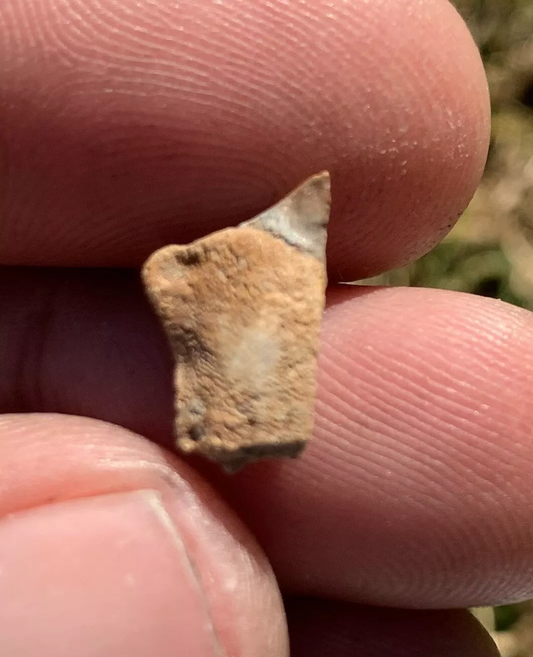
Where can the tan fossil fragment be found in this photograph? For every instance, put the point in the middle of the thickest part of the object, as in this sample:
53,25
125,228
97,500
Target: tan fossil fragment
242,309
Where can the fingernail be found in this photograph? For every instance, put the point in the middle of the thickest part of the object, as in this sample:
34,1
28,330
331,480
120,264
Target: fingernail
98,577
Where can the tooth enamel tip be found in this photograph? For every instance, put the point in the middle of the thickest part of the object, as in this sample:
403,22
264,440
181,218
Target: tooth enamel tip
301,218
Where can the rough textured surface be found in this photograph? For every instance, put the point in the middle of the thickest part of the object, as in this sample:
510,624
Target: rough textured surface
242,310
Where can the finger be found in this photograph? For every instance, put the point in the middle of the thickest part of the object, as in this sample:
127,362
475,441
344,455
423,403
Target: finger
415,490
107,548
320,628
130,126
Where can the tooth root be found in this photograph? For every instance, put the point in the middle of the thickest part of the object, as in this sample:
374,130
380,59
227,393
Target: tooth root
242,309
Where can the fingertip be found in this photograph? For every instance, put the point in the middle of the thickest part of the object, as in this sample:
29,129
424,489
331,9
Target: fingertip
415,489
221,109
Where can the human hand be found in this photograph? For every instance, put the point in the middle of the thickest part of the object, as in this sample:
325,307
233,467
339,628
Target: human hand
128,126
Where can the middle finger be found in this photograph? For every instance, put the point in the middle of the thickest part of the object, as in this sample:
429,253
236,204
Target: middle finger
415,489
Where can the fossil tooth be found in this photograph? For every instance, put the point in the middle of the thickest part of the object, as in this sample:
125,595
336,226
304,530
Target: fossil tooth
242,309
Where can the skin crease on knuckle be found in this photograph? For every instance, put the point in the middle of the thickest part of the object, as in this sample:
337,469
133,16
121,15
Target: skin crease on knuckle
180,118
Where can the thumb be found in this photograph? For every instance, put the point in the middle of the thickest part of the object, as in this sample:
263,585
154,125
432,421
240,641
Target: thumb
105,549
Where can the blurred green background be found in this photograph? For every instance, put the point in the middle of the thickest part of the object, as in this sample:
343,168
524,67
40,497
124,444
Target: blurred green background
490,251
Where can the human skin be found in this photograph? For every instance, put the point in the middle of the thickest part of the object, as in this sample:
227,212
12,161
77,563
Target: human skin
127,126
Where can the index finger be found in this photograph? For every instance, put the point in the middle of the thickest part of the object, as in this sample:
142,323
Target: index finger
127,127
